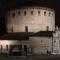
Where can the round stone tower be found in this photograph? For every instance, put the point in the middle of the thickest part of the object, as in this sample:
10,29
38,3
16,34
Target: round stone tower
36,18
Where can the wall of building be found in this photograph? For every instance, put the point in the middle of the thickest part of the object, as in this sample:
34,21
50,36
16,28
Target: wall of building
59,39
56,42
5,45
40,45
36,18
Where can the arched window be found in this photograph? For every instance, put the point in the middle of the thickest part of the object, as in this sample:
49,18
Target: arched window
6,47
11,29
1,47
44,13
49,13
18,12
20,47
38,12
13,14
25,13
26,28
31,12
47,28
25,48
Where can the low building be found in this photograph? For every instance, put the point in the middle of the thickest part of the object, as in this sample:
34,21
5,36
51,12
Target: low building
29,30
56,41
42,42
35,43
13,43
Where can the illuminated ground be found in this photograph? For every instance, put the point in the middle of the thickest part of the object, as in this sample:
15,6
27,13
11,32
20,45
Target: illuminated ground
36,57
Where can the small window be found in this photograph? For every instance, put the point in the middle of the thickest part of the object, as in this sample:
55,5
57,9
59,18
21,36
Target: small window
26,28
45,13
38,12
6,47
47,28
20,47
1,47
31,12
13,14
11,29
25,13
49,13
18,12
25,47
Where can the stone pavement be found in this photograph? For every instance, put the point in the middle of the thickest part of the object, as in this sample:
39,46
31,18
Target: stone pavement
32,57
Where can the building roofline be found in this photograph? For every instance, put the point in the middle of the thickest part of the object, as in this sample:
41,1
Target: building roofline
32,4
25,35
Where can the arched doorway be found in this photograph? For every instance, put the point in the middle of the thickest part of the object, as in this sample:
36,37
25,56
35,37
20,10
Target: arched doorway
25,49
15,50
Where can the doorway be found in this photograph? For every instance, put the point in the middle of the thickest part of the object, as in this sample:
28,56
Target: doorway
15,50
25,49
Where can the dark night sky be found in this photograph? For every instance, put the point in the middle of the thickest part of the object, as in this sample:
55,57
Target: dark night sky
5,4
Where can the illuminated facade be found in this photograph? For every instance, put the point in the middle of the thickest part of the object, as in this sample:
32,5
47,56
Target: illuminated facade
30,31
41,18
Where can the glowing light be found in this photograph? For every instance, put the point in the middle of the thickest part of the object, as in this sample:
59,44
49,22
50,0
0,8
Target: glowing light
5,42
